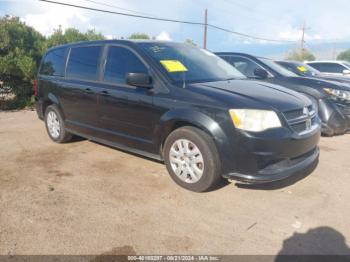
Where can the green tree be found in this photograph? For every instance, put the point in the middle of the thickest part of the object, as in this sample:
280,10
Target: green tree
92,35
304,55
21,48
71,35
345,55
190,42
139,36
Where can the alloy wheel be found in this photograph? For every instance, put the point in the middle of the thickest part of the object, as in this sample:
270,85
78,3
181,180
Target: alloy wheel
53,124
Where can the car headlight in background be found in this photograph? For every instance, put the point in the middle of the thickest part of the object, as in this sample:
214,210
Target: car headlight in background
336,93
254,120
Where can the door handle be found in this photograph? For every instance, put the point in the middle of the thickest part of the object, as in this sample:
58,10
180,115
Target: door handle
104,93
88,90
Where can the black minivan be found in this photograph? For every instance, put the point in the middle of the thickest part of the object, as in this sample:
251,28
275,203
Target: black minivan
178,104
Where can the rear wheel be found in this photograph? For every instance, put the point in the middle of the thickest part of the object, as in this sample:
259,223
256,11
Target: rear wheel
55,125
192,160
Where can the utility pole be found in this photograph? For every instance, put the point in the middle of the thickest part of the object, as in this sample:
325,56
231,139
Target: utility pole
302,43
302,39
205,29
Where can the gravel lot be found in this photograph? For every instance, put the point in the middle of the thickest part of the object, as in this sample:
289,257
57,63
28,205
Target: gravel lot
86,198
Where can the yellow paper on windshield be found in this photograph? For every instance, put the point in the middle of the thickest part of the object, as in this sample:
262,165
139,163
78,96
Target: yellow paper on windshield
302,69
173,66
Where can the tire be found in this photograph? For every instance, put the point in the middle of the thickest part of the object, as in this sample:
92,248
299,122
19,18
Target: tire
190,172
55,125
325,132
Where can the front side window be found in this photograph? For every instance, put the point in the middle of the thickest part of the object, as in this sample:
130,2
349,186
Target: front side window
328,67
184,63
53,63
84,62
120,62
244,65
317,66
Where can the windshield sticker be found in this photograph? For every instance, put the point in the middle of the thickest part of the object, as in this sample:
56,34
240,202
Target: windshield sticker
173,66
302,69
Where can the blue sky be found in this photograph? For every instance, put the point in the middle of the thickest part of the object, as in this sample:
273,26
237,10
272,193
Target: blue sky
327,22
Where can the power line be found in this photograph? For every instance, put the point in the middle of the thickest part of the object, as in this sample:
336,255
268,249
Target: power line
123,14
117,7
167,20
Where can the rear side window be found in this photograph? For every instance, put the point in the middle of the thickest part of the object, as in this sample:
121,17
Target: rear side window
121,61
53,63
84,62
328,67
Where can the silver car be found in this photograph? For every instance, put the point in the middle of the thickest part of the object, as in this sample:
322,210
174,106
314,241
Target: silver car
335,68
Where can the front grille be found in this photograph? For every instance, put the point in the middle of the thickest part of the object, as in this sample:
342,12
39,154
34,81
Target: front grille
293,114
300,127
301,120
344,108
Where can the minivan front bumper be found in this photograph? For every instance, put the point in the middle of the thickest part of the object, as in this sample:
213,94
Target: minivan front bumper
273,156
279,171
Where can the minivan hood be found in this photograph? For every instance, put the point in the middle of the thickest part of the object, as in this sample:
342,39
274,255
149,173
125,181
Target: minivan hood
339,79
317,83
270,95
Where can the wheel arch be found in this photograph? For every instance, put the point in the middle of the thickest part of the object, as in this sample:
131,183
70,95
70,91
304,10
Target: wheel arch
175,119
51,100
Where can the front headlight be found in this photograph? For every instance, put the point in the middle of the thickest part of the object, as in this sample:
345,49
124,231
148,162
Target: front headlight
254,120
336,93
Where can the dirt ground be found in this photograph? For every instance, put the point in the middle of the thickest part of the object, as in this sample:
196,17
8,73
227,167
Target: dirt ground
86,198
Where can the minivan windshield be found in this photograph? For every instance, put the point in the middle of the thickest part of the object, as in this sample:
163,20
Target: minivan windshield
278,68
300,68
184,63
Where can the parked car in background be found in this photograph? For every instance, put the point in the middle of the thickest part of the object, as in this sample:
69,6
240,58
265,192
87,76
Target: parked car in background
332,98
300,68
178,104
303,69
336,68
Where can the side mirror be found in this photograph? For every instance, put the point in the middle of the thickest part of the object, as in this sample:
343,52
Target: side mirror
139,80
261,73
346,72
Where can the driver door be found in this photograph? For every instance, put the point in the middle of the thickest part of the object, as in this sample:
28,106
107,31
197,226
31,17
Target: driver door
126,113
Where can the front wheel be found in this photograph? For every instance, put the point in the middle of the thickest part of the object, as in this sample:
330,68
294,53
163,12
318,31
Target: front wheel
192,160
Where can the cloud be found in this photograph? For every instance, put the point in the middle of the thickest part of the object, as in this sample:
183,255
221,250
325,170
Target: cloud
45,23
274,19
164,36
46,17
295,34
